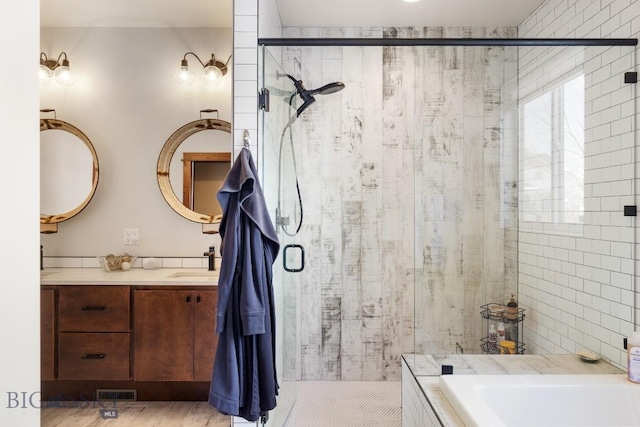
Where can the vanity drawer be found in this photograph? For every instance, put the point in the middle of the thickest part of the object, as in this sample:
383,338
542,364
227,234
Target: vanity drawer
93,356
93,308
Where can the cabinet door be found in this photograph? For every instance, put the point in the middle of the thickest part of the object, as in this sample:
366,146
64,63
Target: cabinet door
163,323
205,337
47,334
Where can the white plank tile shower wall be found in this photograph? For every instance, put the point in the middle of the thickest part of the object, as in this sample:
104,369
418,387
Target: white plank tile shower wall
576,282
417,153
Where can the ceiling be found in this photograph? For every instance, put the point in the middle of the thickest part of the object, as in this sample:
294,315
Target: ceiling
305,13
137,13
397,13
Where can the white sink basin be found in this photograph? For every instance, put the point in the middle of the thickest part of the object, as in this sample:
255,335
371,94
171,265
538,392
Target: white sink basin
194,274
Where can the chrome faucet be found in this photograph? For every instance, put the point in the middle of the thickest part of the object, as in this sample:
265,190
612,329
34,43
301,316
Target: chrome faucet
212,258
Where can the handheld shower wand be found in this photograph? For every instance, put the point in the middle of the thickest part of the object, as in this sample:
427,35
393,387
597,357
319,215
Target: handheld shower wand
307,95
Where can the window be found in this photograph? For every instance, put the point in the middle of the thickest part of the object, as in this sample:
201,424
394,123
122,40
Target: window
552,155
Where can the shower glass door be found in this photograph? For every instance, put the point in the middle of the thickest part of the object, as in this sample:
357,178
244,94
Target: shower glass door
279,181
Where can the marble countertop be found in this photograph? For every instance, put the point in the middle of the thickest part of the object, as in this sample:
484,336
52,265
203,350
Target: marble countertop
135,276
427,368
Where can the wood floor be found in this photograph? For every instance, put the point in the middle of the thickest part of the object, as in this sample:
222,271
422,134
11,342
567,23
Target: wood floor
135,414
318,404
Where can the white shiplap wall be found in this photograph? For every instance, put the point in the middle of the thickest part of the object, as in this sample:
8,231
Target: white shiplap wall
245,92
577,283
245,72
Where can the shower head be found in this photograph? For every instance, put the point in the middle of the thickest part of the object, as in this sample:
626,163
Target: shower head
307,95
328,89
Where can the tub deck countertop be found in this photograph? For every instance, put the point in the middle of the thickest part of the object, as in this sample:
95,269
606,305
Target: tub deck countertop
133,277
427,368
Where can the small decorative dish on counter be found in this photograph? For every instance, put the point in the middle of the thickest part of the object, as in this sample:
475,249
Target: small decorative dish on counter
589,357
112,262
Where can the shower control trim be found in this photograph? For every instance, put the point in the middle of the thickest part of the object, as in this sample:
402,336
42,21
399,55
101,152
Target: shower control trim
281,220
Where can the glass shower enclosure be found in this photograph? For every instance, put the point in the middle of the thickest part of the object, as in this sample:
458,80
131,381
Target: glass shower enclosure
279,178
443,178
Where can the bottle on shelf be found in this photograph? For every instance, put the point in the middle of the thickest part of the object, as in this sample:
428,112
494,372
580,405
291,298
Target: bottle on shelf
633,357
493,339
512,308
501,332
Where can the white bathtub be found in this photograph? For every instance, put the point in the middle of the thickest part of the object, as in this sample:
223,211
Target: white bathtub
543,400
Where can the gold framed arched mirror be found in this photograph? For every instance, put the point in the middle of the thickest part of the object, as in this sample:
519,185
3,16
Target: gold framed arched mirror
69,172
178,166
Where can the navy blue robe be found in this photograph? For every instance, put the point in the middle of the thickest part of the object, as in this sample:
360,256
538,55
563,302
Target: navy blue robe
244,379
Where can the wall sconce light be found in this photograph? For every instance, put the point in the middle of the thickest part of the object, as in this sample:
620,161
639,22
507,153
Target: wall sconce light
56,69
212,71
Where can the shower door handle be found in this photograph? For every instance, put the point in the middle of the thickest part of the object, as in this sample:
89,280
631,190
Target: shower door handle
285,265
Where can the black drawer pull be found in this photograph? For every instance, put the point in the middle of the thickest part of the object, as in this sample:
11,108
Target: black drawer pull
94,356
188,299
93,308
198,298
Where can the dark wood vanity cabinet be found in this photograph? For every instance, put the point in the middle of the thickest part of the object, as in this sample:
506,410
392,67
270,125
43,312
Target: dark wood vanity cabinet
205,340
128,337
93,332
47,334
174,334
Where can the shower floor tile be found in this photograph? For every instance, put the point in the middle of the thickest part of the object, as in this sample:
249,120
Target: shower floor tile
346,403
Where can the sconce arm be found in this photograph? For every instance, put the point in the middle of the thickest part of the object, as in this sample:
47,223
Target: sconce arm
197,57
51,64
64,60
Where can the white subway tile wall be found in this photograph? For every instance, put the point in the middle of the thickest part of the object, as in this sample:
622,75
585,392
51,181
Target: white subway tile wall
576,281
92,262
245,72
246,81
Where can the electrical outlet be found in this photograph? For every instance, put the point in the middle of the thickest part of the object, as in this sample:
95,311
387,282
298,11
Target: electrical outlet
131,236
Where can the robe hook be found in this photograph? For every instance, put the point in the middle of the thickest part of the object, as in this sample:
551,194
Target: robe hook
245,138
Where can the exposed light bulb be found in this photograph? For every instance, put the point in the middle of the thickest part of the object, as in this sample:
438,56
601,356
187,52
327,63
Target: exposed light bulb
184,76
63,76
212,75
45,74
